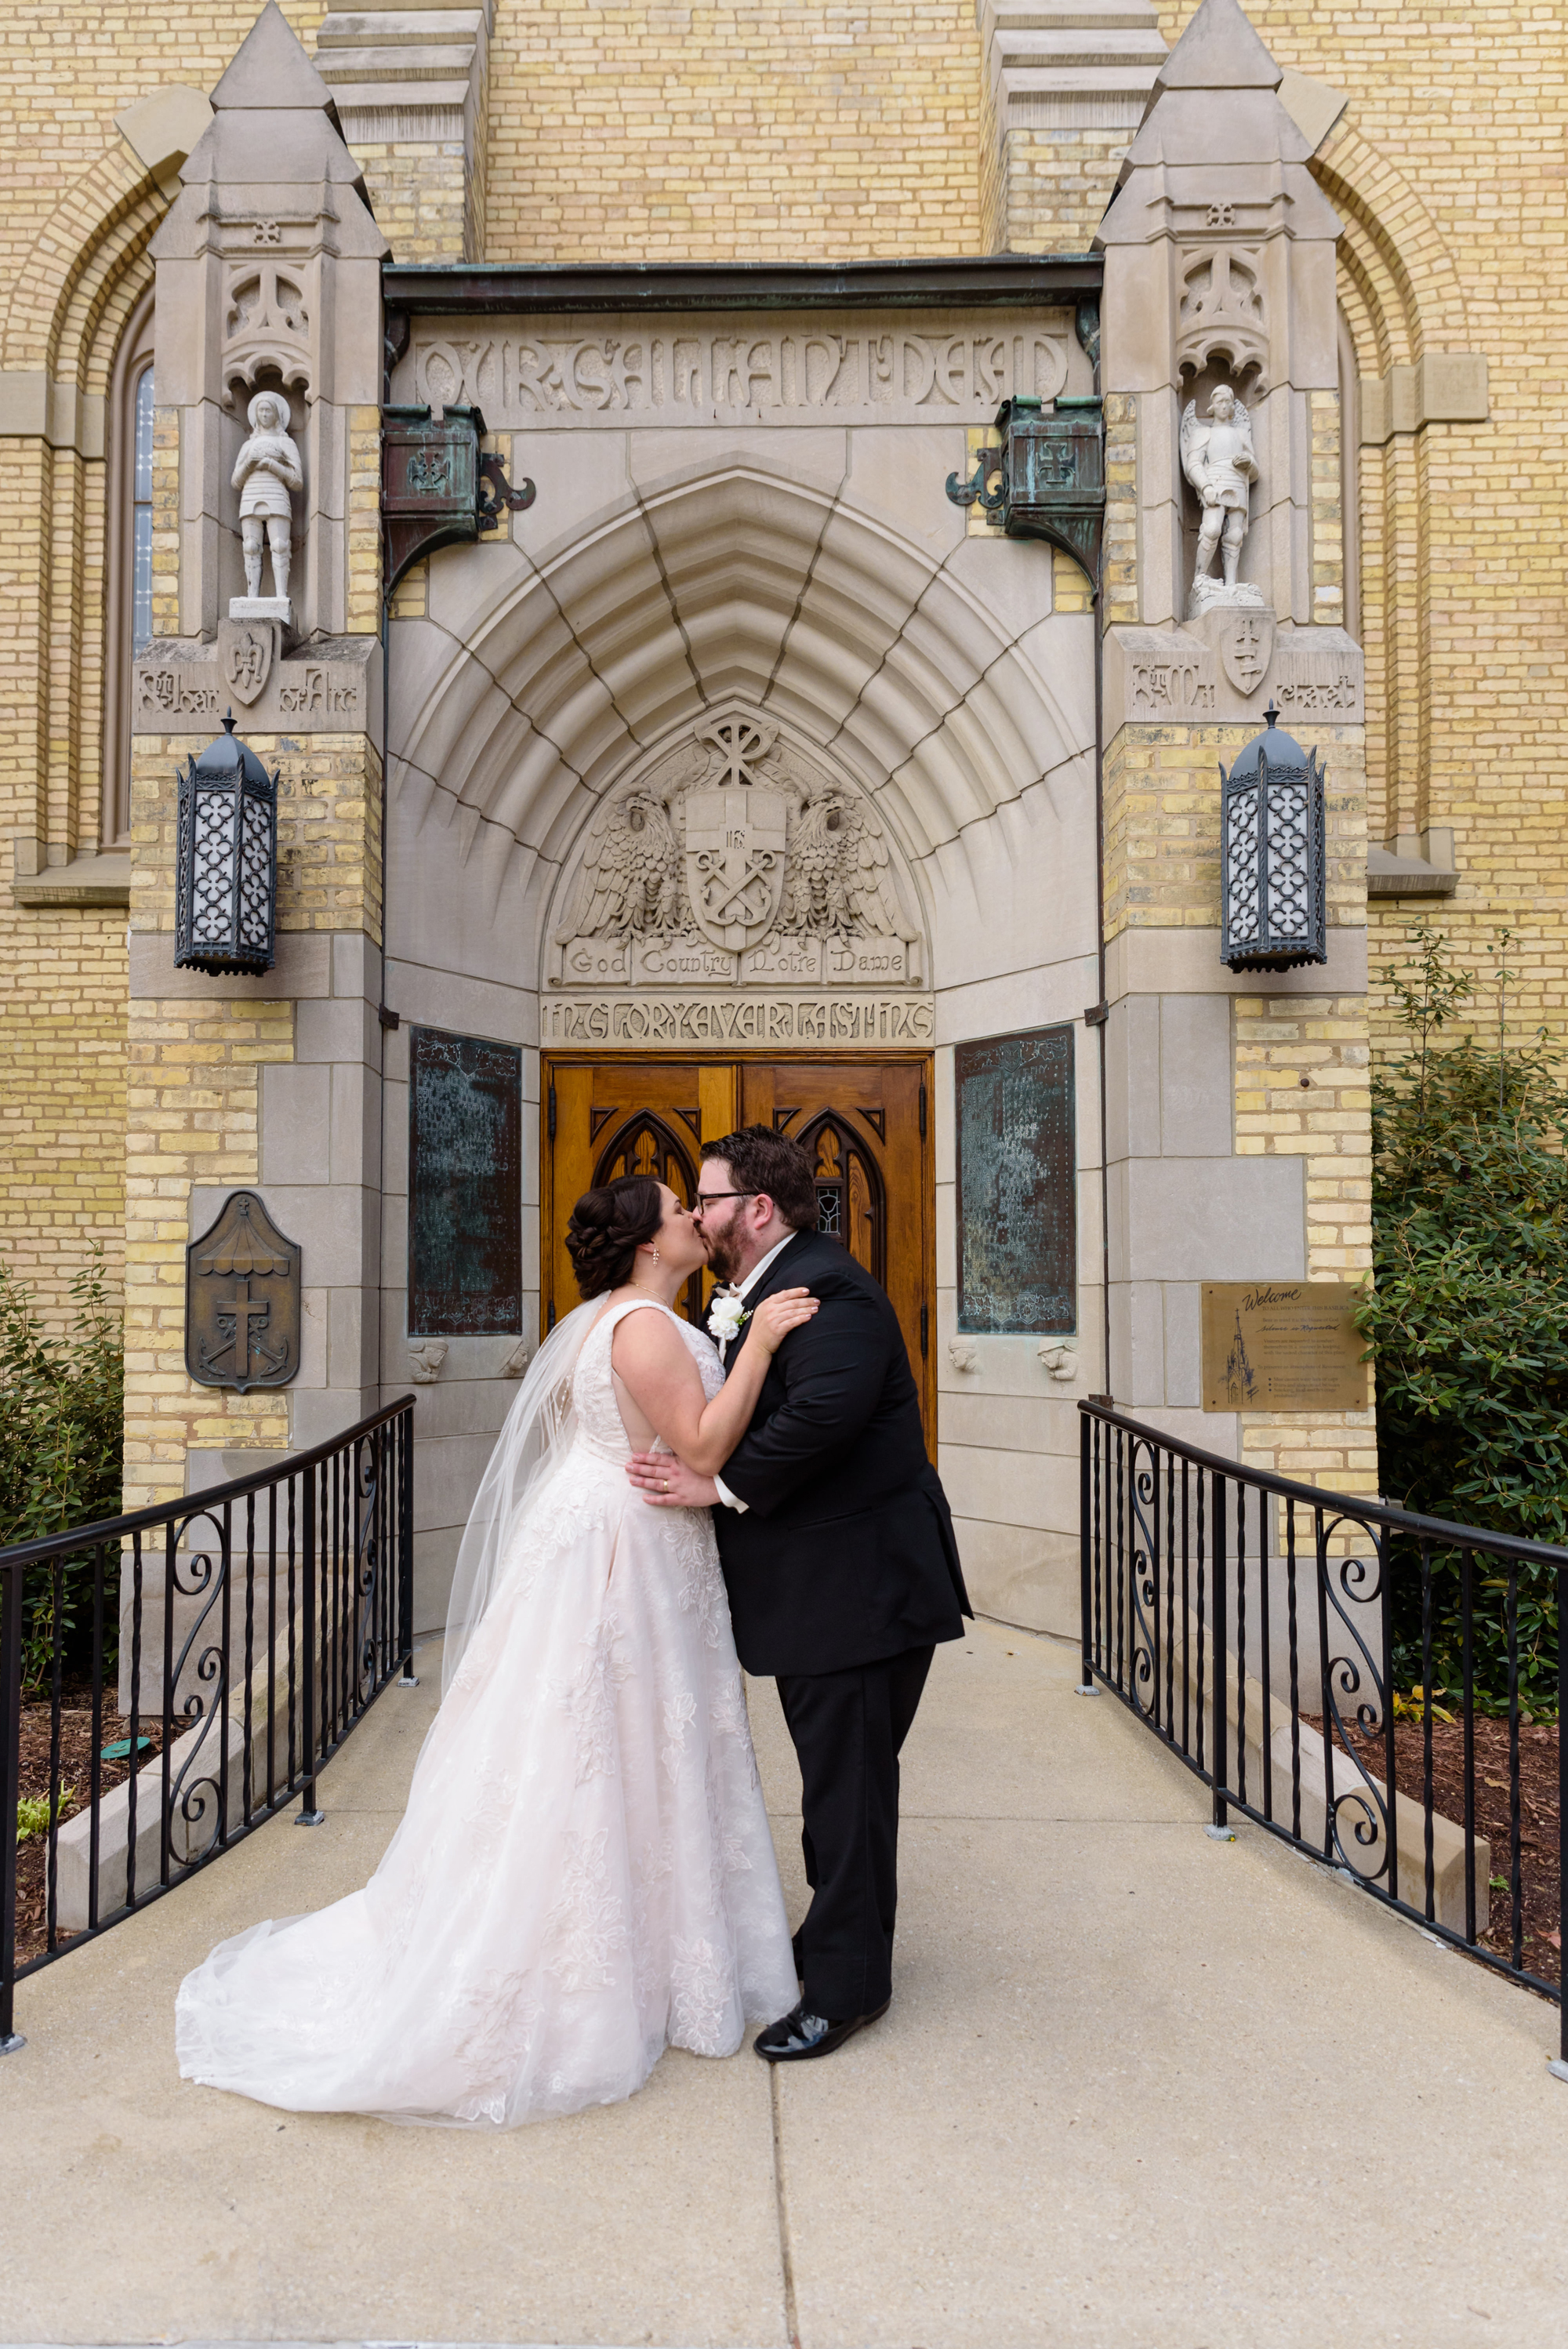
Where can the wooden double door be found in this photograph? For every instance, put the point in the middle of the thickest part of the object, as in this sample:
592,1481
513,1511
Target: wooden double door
865,1124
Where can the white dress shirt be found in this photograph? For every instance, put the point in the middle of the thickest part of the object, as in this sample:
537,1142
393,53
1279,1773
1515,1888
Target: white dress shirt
742,1288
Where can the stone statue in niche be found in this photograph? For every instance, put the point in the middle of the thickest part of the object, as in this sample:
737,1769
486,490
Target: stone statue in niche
266,472
1218,459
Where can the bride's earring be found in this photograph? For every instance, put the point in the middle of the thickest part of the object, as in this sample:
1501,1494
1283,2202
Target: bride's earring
657,1258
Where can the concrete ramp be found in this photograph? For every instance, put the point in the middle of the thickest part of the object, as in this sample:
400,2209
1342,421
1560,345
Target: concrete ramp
1136,2087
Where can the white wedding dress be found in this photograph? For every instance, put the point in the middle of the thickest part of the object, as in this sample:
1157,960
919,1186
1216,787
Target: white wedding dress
584,1874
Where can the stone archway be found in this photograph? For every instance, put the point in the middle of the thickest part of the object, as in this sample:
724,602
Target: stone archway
822,601
942,687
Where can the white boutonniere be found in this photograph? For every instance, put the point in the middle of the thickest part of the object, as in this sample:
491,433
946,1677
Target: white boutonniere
726,1316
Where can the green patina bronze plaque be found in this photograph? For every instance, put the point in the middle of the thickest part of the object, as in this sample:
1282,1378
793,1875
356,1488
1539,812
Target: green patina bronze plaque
465,1187
241,1300
1017,1184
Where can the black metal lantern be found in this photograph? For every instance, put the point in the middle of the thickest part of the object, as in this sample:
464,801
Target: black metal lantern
1273,907
226,878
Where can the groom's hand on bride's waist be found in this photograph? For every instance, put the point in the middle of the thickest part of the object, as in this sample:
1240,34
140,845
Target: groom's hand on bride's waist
666,1483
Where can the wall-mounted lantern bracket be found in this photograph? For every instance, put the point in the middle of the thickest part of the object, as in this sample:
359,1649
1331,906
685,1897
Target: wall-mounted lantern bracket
438,487
1045,476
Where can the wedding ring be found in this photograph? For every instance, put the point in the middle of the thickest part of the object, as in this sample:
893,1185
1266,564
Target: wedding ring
666,1486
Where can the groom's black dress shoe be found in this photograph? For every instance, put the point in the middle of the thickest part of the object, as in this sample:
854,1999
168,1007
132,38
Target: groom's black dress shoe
797,2036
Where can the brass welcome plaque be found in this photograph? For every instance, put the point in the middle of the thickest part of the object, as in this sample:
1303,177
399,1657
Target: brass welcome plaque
1282,1345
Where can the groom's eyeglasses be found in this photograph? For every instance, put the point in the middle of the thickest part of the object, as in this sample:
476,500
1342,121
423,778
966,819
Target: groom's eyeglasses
711,1199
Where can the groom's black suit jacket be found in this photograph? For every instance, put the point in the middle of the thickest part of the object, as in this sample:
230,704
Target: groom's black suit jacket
845,1553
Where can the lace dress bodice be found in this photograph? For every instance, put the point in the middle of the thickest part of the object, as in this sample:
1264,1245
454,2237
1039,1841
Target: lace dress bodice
600,1431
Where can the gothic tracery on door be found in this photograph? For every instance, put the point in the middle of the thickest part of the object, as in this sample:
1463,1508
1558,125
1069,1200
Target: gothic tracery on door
865,1125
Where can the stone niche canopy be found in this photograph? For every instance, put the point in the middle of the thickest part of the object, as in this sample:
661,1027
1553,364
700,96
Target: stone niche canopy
269,279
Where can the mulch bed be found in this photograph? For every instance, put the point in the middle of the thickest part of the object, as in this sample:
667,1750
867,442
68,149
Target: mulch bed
1539,1848
75,1772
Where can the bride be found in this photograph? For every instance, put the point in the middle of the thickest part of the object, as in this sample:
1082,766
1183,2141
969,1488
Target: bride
584,1875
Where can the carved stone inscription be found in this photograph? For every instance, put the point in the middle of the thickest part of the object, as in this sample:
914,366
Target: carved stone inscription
1310,679
1225,665
1168,675
657,1020
186,691
863,372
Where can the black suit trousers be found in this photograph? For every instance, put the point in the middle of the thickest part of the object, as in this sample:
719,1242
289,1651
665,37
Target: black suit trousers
848,1727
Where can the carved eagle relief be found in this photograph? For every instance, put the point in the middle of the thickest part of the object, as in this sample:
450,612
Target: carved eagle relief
837,880
630,884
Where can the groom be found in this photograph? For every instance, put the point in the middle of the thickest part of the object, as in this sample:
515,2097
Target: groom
838,1555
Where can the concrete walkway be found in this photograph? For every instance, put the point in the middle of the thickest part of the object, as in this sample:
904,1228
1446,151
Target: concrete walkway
1136,2088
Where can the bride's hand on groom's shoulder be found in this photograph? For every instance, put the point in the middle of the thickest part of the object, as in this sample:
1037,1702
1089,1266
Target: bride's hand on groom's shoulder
666,1483
780,1313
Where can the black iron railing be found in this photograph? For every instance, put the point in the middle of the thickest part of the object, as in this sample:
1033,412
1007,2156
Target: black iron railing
1258,1627
171,1678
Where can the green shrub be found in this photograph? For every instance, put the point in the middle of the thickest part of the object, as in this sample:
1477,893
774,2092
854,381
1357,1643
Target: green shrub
61,1440
1469,1318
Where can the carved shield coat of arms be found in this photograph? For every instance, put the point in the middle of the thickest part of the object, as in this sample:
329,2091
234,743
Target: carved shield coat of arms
245,650
1246,648
735,845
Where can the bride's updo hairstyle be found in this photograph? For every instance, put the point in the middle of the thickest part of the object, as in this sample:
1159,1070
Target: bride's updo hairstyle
607,1227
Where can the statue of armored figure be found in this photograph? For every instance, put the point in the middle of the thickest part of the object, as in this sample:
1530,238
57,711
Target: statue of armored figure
1217,458
266,469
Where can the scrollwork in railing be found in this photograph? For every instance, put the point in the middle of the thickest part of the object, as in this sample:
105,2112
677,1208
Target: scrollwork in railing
197,1574
1363,1806
1143,1566
367,1459
260,1619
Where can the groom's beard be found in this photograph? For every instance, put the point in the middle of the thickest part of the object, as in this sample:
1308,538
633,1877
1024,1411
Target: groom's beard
724,1257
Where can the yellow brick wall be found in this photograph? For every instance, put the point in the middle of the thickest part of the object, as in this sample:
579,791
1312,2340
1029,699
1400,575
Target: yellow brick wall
780,130
62,1094
62,970
1049,191
420,196
193,1088
1118,565
1163,823
1301,1092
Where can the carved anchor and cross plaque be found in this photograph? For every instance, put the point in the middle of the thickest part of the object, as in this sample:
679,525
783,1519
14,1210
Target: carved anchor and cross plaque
242,1300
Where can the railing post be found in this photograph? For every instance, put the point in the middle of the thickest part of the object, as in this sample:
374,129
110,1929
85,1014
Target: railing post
310,1816
405,1426
10,1795
1085,1427
1218,1620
